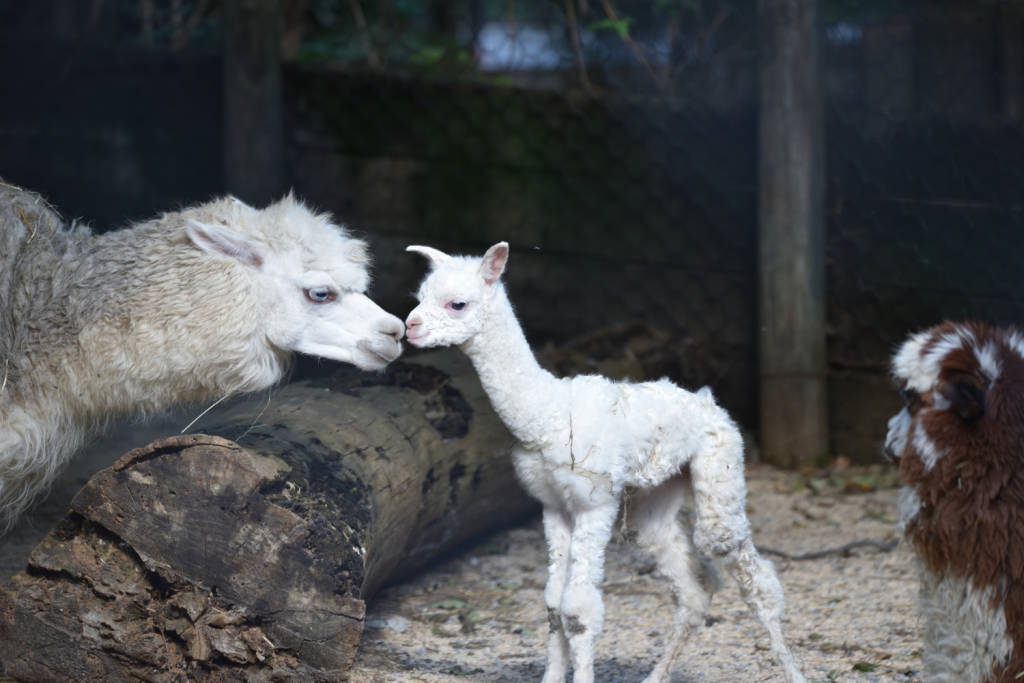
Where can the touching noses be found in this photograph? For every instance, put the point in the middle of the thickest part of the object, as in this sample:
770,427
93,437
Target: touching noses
415,329
393,328
412,324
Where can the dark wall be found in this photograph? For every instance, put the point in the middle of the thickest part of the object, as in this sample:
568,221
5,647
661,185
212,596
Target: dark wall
107,134
617,209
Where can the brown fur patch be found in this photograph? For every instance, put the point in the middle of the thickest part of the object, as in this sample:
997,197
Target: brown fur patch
554,621
971,521
573,626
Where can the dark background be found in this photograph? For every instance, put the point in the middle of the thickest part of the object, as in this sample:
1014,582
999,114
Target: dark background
628,193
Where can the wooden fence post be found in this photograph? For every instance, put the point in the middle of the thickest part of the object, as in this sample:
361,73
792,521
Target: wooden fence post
793,410
254,154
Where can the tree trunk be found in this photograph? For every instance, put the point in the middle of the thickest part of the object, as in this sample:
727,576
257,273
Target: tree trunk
794,423
201,558
254,149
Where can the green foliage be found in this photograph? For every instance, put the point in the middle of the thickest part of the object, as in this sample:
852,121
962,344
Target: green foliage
620,26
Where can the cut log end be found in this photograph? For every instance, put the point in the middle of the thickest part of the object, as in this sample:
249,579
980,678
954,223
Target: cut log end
204,558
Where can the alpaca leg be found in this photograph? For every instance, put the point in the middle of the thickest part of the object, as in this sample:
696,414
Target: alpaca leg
761,590
582,607
654,514
556,533
721,530
720,494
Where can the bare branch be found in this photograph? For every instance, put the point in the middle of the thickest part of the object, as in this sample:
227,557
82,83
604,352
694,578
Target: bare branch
364,33
637,51
184,29
574,32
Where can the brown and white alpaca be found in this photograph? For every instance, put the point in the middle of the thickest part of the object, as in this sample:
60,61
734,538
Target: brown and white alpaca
191,306
959,442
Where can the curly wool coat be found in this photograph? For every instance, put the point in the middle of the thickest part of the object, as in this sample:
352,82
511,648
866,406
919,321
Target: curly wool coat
190,306
960,446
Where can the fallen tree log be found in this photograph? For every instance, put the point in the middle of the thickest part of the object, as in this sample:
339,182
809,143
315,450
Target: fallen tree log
203,558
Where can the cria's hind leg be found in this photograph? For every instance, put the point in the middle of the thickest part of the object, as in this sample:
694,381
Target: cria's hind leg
722,531
654,515
719,493
762,592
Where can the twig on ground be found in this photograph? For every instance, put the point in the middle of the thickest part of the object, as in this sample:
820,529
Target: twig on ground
843,550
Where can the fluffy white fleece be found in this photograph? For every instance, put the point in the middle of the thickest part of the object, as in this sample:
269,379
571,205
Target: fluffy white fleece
585,442
191,306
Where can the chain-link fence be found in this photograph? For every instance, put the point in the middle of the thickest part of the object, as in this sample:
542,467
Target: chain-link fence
613,143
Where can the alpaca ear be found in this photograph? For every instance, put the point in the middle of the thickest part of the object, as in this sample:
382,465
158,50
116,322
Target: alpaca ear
494,262
965,395
358,251
435,256
222,242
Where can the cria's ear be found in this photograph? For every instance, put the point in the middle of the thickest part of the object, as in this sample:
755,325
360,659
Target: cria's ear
965,394
222,242
435,256
494,262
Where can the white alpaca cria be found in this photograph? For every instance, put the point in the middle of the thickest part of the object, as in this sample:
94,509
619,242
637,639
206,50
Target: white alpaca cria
583,442
193,305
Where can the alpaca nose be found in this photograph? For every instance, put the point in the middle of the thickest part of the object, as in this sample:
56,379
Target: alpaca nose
393,328
412,323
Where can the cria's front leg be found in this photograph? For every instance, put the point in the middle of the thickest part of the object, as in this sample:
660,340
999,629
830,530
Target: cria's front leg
582,607
556,532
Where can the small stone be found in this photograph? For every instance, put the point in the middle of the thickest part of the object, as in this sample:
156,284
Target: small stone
391,622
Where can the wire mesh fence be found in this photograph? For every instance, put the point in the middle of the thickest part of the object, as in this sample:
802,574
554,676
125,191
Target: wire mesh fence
614,144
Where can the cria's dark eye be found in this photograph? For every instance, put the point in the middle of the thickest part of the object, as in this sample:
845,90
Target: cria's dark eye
320,295
456,305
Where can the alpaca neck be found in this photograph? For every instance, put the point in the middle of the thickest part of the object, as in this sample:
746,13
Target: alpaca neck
520,390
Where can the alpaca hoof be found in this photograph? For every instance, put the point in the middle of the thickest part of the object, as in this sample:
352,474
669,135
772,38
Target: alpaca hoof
656,676
553,677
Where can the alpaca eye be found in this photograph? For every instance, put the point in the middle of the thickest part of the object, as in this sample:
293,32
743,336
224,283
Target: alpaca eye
911,397
456,305
320,295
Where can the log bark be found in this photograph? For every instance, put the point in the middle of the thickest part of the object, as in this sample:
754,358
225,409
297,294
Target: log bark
203,558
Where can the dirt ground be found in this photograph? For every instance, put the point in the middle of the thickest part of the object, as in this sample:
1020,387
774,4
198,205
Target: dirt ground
850,616
479,616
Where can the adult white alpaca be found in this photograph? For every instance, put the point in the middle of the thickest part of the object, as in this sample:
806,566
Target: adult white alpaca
194,305
585,441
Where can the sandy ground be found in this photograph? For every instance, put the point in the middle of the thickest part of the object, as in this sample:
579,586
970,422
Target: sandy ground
479,616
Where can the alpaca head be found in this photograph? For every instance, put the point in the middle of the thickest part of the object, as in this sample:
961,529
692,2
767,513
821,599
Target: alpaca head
456,296
960,444
963,385
308,275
